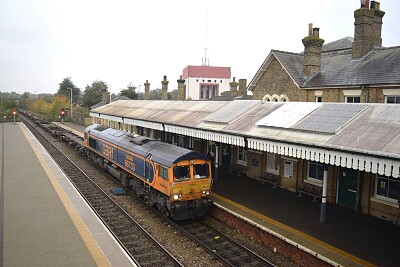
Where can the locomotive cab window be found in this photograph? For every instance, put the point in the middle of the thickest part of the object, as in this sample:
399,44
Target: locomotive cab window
92,142
201,171
181,173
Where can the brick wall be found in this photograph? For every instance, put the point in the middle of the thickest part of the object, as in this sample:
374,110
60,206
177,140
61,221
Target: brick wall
275,80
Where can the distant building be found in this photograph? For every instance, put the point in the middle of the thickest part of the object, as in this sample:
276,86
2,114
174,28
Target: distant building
205,82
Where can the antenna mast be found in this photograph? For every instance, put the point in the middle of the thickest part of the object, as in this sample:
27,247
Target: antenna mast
205,44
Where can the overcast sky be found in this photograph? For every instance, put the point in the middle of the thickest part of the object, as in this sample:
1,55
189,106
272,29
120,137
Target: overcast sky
128,41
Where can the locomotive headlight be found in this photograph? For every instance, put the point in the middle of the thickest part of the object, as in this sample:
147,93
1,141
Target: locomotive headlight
206,192
176,197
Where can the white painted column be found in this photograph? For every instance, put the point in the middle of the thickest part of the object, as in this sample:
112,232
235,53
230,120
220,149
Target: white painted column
216,162
322,217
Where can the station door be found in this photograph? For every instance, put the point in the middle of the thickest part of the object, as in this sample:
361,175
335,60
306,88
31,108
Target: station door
347,190
226,156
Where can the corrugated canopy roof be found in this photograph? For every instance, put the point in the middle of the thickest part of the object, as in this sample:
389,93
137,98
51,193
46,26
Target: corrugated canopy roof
365,129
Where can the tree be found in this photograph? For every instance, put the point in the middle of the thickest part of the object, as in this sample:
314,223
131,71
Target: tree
130,92
93,94
67,84
156,94
173,95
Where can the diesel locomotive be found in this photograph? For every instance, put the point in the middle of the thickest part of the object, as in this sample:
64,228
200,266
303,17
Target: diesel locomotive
175,180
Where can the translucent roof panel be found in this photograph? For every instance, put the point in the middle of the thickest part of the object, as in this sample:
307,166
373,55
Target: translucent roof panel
288,115
330,118
231,111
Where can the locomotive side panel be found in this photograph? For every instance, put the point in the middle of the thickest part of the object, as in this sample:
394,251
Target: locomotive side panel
135,164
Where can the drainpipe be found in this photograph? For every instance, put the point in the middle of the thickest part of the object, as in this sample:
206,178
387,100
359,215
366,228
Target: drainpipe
366,93
216,161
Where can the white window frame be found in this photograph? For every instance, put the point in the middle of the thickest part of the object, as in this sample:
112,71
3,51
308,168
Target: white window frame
353,96
385,198
396,96
242,150
312,179
272,159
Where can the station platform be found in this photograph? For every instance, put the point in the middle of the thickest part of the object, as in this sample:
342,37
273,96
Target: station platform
346,238
44,221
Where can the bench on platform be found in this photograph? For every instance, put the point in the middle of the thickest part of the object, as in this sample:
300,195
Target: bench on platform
270,178
311,190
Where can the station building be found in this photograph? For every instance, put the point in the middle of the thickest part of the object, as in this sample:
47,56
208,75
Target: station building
348,153
351,70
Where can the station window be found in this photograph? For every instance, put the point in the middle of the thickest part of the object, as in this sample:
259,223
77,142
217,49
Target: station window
315,172
392,99
352,99
387,188
191,143
273,163
163,172
242,156
174,140
180,140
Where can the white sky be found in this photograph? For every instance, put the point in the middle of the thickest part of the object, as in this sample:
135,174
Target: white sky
131,41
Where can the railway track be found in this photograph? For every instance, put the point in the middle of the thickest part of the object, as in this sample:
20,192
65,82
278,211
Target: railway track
137,242
220,246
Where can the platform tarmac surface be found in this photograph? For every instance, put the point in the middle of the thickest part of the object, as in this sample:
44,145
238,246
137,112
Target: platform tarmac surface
44,221
346,236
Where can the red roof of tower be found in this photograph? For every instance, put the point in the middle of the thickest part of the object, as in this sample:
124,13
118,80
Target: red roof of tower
206,72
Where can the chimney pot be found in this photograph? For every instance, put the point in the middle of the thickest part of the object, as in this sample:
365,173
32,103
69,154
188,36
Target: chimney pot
316,32
377,6
372,5
310,29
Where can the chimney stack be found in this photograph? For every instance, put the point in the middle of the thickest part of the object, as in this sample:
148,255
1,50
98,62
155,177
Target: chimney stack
164,89
181,89
146,90
367,28
233,86
242,87
312,52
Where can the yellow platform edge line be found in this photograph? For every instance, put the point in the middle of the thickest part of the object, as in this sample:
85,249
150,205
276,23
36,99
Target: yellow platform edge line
294,231
92,246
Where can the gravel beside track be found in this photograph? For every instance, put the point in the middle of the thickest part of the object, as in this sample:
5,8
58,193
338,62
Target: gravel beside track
181,247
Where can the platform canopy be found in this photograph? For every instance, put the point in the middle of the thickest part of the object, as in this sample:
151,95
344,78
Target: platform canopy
364,137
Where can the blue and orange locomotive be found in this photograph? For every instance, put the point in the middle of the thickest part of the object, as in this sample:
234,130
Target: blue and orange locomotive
175,180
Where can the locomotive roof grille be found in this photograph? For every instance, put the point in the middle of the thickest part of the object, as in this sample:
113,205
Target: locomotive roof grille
100,128
139,140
